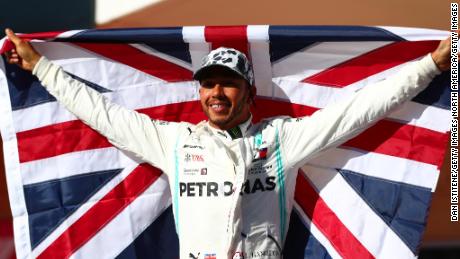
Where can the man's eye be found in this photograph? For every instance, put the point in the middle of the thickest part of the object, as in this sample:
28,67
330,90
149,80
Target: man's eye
207,84
222,83
228,83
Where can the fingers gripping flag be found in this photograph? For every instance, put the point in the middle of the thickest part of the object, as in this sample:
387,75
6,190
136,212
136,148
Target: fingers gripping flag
73,194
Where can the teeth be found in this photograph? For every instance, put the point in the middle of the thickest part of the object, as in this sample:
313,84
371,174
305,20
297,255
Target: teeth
215,106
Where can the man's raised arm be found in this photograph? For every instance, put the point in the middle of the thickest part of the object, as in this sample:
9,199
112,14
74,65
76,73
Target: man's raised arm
339,122
126,129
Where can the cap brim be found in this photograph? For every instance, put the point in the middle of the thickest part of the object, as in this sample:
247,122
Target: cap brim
204,72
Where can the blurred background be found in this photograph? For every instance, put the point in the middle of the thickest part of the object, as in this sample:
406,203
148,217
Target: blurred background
442,237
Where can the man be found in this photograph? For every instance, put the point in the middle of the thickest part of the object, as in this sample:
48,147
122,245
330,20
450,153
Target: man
232,182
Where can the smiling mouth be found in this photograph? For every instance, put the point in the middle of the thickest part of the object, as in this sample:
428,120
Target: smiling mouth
216,106
219,107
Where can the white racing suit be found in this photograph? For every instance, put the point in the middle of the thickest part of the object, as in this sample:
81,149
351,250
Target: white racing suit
232,191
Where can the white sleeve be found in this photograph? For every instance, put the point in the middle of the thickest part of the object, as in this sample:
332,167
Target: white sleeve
126,129
303,138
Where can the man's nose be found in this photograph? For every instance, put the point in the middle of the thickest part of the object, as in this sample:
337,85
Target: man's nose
217,90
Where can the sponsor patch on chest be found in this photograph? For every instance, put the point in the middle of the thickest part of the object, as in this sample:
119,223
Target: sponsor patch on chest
188,157
215,189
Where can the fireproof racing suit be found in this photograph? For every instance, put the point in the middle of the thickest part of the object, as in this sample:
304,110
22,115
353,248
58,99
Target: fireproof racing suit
232,191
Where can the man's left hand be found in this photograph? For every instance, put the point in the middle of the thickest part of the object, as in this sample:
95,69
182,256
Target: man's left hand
441,56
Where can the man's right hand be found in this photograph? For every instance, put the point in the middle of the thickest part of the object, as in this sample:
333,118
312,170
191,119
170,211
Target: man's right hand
23,54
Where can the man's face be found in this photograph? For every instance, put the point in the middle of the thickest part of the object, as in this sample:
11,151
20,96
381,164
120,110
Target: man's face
225,99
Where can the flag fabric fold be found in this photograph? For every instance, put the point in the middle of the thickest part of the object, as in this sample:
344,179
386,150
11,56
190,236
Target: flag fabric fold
73,194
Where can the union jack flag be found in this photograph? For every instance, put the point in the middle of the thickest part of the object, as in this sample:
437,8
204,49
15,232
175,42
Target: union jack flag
73,194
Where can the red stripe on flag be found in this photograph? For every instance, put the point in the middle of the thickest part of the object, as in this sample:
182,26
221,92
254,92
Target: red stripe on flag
227,36
344,242
6,227
190,111
403,140
8,45
371,63
50,35
7,239
386,137
102,212
75,136
140,60
58,139
266,108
